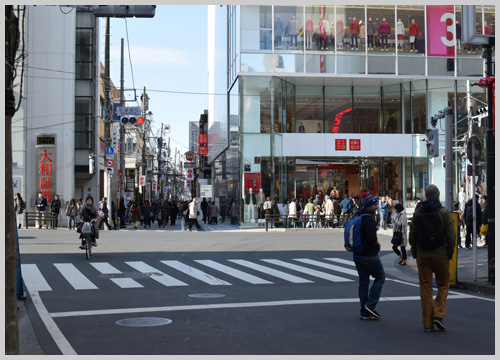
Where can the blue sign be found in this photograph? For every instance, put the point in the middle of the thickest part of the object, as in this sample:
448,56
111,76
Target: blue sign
110,176
115,115
109,150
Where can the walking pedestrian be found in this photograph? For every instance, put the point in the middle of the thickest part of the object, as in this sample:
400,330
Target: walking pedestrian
135,213
71,213
367,261
113,214
401,224
214,213
484,219
204,209
292,212
19,207
329,212
469,222
193,214
383,211
55,208
40,204
103,206
147,214
173,210
432,240
121,213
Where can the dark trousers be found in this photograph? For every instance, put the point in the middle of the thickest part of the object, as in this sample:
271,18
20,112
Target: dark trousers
324,42
399,253
384,38
204,216
370,40
468,235
366,266
194,222
354,37
172,220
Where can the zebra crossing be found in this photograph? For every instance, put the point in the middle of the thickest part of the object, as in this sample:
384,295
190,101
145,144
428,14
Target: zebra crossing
170,273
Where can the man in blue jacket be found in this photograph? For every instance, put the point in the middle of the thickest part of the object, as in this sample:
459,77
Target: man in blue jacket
367,261
383,210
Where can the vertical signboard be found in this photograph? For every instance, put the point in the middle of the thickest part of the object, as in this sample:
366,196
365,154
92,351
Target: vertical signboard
441,38
46,160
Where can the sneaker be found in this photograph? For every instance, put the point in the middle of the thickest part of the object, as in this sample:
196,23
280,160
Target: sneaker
372,311
438,323
368,316
429,329
82,247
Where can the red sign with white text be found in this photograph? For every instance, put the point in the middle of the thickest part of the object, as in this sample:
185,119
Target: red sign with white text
441,37
340,144
203,139
355,144
202,150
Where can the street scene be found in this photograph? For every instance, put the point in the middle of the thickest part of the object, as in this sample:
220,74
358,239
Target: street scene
234,291
250,179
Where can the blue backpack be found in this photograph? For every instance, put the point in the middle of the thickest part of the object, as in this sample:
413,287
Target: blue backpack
352,234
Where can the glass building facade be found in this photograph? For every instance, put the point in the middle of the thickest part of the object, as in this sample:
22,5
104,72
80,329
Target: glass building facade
323,96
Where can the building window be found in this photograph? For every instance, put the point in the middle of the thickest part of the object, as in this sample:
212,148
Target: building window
256,27
367,113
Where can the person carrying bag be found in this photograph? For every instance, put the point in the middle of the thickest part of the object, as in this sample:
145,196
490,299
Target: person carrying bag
399,237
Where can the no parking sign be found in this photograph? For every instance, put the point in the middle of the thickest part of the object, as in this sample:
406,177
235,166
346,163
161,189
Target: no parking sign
109,163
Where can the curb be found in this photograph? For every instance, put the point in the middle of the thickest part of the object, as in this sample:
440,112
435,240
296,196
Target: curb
480,286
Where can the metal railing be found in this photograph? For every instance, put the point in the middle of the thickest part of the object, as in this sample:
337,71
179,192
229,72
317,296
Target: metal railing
306,221
44,218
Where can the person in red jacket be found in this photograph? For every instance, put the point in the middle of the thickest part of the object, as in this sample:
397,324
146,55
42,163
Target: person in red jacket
487,30
354,29
384,30
413,33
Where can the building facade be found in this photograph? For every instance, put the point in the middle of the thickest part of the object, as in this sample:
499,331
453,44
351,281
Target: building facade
318,97
56,126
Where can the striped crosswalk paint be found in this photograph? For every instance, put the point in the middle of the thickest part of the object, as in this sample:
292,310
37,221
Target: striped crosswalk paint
270,271
33,278
124,283
156,274
197,274
341,261
307,271
328,266
234,272
75,277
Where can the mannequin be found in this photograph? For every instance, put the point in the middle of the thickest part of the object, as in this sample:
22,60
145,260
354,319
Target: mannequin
340,33
384,30
292,31
309,33
400,31
370,31
362,32
413,33
250,201
325,31
261,198
278,32
458,35
354,29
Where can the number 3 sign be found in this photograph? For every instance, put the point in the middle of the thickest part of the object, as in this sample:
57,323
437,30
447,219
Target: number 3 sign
441,30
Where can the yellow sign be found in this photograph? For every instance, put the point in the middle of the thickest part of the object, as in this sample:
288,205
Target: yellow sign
453,261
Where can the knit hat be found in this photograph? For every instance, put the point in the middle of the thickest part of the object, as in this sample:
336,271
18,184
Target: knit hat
369,200
431,192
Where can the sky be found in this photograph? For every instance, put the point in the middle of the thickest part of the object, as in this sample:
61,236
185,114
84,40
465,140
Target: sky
168,54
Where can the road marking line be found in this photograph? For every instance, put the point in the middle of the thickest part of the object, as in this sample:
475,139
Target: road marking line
75,277
107,268
193,272
272,272
308,271
163,278
342,261
329,266
33,278
50,324
234,272
233,306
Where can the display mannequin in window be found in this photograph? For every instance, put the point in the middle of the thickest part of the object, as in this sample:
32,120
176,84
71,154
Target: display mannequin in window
250,202
458,35
278,32
340,33
413,33
354,30
292,31
370,31
362,32
400,31
324,29
384,30
309,33
261,199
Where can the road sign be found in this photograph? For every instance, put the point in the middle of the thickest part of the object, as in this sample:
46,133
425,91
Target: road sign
189,156
110,170
110,176
109,163
128,110
142,180
109,150
108,157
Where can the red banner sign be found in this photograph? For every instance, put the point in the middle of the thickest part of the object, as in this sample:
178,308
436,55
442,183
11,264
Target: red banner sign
441,37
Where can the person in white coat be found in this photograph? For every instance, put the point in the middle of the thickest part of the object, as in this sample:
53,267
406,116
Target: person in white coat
329,211
292,212
401,222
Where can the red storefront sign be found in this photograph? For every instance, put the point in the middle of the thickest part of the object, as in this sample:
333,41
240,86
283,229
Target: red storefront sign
45,175
441,37
252,180
355,144
340,144
203,139
202,150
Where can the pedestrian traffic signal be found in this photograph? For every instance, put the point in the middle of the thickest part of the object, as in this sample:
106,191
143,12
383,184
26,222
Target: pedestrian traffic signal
432,142
128,120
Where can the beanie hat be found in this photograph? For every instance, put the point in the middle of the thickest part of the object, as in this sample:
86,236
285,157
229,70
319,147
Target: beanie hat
431,192
369,200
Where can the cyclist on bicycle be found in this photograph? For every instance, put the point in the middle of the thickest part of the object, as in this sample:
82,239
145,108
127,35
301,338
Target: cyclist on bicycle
87,213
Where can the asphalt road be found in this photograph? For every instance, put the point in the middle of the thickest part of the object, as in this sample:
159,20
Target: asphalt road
230,293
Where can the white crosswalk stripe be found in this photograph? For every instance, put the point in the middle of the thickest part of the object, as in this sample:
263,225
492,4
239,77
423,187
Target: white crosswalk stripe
75,277
328,266
308,271
33,278
124,283
341,261
197,274
234,272
270,271
156,274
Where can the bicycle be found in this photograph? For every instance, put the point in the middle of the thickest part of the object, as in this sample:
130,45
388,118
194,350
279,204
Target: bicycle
88,237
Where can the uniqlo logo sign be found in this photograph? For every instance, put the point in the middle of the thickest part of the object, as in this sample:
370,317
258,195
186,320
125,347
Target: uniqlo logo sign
340,144
355,144
202,139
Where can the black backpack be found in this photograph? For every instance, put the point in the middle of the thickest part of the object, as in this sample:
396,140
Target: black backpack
428,226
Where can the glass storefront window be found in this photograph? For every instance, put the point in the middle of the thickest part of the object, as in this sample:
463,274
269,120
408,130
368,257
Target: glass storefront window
367,103
308,109
256,22
320,28
410,29
350,21
255,95
419,109
392,109
320,64
405,87
384,25
288,27
338,109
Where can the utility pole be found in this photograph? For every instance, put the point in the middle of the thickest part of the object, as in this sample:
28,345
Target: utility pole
160,145
122,128
107,104
449,158
144,102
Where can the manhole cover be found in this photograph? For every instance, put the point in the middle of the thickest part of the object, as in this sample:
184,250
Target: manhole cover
206,296
143,321
132,275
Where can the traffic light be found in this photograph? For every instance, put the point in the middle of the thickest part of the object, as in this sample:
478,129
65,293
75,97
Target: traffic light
128,120
139,121
432,142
